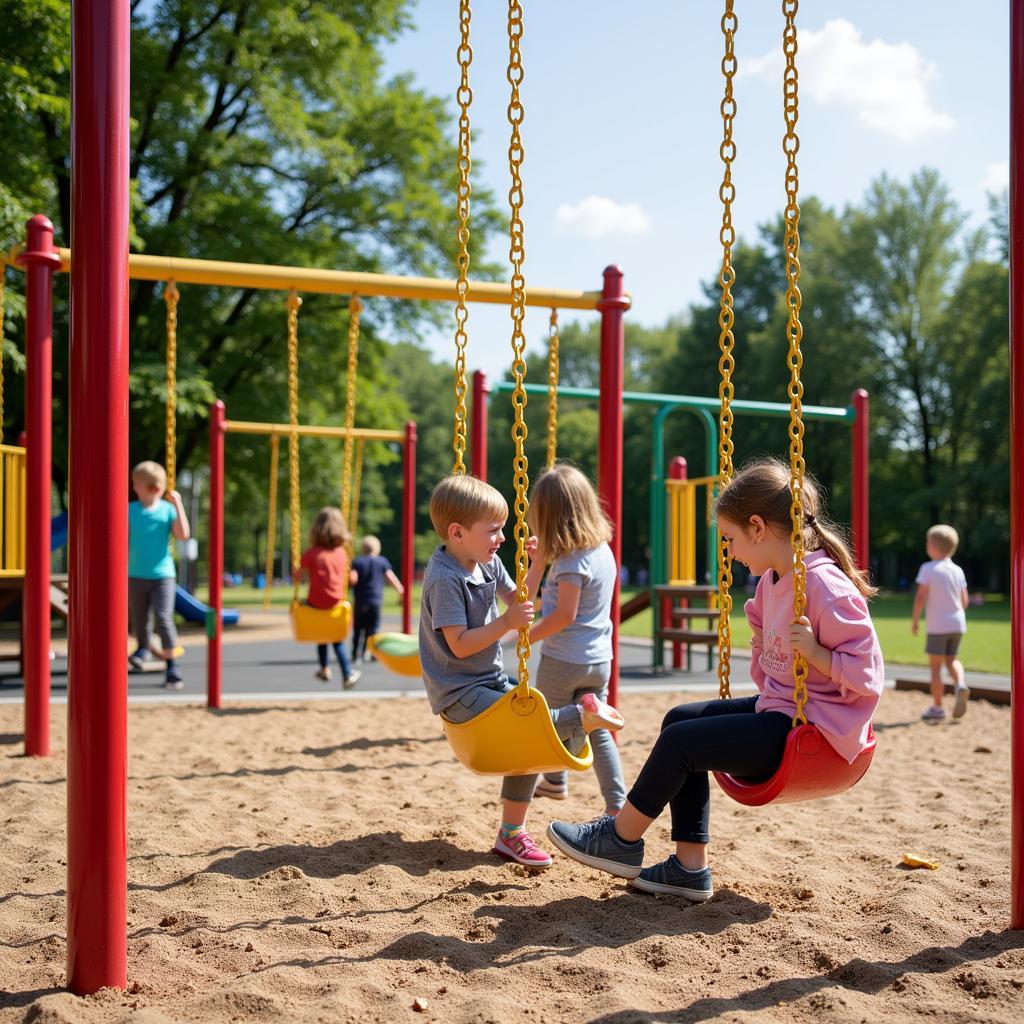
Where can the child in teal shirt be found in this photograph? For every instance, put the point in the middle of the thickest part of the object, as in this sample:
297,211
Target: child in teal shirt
152,577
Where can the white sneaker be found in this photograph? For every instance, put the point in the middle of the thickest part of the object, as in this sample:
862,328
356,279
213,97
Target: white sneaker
960,699
552,790
353,677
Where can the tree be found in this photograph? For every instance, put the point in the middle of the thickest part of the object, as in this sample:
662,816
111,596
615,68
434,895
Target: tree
262,131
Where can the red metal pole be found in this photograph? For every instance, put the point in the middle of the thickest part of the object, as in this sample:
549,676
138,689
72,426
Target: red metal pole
481,389
409,524
98,524
676,471
1017,461
41,262
215,559
859,491
612,305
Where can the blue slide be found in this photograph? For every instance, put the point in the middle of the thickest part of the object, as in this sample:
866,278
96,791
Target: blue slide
193,610
58,531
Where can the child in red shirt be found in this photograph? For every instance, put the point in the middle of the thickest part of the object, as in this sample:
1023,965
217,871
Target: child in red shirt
326,563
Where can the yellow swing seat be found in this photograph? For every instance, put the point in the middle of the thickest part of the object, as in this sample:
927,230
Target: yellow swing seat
514,737
320,625
397,652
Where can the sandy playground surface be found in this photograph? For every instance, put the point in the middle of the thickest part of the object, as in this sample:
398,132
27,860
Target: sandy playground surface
330,862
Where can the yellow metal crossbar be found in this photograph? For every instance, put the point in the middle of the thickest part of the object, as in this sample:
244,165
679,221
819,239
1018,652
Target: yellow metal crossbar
284,430
333,282
12,507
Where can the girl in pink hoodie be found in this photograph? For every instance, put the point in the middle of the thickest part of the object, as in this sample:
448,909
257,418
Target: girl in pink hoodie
746,737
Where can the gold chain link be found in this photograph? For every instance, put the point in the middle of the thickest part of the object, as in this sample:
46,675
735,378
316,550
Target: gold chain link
294,510
171,426
794,333
464,96
275,450
355,309
517,255
357,484
726,341
553,372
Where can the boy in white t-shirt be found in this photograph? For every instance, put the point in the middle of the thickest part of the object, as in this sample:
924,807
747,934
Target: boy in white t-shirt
942,592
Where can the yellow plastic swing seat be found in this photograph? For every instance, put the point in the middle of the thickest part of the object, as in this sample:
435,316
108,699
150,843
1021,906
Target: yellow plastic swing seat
514,737
320,625
398,652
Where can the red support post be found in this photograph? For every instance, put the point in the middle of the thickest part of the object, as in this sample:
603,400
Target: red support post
409,525
478,441
677,470
613,304
1017,462
860,434
41,262
97,834
215,558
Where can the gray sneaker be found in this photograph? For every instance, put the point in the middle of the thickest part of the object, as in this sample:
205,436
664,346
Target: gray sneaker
596,845
671,877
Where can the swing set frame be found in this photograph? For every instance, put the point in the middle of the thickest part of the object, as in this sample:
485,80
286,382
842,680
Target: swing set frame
97,707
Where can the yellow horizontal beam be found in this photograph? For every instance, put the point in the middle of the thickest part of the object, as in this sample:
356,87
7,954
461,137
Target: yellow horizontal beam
332,282
696,481
11,449
283,430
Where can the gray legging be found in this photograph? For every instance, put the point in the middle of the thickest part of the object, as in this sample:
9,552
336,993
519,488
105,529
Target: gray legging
564,683
158,595
567,721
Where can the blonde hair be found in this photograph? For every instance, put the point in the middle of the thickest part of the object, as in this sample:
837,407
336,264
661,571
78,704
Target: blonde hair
464,500
329,529
762,489
565,513
152,474
945,538
370,545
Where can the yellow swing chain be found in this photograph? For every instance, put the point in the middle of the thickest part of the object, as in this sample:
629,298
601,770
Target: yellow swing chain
794,333
294,510
357,484
726,341
464,97
275,449
553,372
517,254
171,297
355,309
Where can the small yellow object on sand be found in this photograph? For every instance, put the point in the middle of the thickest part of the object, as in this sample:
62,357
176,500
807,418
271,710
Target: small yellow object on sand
915,860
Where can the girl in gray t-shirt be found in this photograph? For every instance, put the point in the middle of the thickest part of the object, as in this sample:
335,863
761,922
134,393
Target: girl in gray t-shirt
576,627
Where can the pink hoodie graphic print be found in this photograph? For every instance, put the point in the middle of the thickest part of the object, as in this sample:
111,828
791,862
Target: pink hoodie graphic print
842,703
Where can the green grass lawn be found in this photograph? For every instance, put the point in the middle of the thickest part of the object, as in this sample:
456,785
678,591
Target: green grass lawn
986,648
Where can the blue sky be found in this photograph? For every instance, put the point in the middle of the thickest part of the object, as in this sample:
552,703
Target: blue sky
622,126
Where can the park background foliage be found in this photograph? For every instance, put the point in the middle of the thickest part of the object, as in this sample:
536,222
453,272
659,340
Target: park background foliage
265,132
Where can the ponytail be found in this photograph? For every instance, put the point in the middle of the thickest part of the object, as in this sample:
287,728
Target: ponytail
831,540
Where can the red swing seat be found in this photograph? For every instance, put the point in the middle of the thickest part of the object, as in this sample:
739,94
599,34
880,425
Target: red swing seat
810,769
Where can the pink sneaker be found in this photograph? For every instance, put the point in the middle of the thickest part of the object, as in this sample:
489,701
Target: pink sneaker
598,715
522,849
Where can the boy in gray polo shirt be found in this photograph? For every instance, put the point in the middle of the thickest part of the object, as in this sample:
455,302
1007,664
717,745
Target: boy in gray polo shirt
460,638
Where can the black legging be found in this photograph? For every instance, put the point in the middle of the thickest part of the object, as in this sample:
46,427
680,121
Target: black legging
714,735
366,623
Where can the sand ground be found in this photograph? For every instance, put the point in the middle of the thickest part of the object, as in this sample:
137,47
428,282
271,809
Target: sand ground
330,862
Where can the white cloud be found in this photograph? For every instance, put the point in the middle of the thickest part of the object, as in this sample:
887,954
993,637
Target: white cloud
885,84
598,216
997,177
